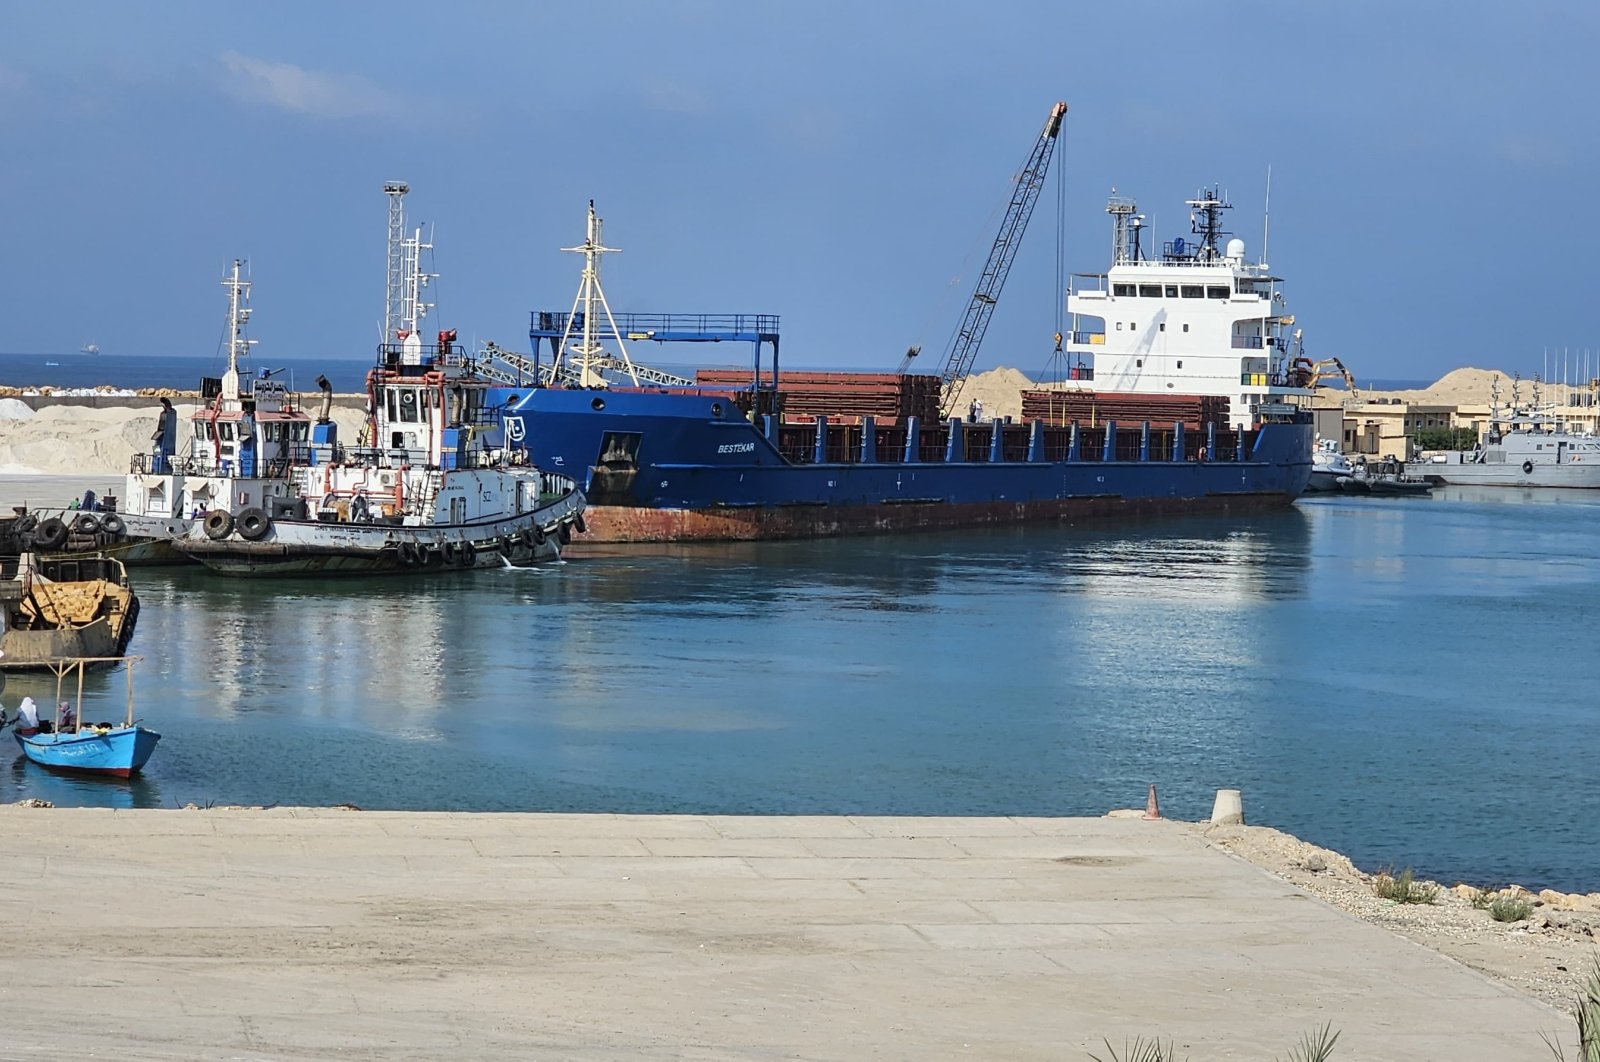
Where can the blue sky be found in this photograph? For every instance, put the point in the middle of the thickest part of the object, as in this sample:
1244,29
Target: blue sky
840,164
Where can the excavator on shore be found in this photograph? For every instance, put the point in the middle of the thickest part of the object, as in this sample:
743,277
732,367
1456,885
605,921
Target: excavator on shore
1304,372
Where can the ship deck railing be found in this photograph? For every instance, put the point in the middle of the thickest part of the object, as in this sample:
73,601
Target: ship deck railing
995,442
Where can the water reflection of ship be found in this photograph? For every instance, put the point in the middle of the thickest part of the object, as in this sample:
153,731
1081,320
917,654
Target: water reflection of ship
1264,556
321,650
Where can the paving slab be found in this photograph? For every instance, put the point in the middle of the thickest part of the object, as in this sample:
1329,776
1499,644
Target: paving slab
322,933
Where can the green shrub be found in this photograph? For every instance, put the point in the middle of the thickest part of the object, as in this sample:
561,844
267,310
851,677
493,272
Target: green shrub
1405,888
1509,908
1586,1014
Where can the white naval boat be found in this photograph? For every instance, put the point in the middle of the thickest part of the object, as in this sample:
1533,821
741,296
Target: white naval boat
1328,467
1522,447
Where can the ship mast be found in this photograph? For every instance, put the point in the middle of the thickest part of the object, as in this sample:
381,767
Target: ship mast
412,308
588,348
395,293
238,316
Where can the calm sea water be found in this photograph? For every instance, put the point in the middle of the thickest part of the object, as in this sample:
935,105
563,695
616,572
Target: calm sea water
180,373
1410,681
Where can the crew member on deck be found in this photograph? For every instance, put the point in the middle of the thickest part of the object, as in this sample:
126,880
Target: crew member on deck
164,440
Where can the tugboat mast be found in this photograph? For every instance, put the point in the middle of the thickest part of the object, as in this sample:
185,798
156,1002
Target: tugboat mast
238,316
395,291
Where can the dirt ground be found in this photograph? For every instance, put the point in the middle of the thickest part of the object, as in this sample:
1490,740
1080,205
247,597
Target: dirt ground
1547,956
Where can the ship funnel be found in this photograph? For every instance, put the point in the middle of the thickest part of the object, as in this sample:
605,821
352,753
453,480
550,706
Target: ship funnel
327,399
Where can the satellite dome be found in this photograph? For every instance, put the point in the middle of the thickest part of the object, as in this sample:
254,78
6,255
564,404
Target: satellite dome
1236,249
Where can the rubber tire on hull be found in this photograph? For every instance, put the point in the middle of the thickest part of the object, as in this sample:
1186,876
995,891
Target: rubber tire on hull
112,524
253,524
26,523
564,534
409,555
577,521
452,553
219,524
86,524
50,534
467,555
433,557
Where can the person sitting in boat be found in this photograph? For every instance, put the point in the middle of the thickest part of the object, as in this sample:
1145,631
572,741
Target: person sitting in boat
66,718
27,717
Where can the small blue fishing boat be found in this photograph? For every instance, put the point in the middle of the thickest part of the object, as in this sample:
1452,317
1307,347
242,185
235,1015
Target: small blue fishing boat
67,743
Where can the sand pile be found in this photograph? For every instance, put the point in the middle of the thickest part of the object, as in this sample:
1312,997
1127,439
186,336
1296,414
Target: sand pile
1459,387
61,440
1000,391
79,440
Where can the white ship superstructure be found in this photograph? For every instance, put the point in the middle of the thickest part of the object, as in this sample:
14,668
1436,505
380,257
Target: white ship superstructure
1197,320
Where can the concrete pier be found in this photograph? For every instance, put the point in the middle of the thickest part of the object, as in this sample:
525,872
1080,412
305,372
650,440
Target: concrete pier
296,933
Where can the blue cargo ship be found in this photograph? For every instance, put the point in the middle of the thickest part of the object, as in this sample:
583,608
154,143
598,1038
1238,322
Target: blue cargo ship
1181,394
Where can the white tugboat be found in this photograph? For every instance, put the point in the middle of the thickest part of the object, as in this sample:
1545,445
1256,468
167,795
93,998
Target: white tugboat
1523,447
1197,320
242,440
433,487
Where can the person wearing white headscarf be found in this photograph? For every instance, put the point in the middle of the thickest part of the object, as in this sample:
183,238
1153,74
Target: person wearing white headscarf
27,717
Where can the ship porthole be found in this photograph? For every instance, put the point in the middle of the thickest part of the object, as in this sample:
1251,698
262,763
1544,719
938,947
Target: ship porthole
716,409
598,404
1527,468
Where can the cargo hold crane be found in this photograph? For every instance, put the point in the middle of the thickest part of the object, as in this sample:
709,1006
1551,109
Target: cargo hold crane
964,343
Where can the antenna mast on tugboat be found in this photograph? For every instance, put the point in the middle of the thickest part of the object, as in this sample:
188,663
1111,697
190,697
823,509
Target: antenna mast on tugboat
238,316
588,348
395,293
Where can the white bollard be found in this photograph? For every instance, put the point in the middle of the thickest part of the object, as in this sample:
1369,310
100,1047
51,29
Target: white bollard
1228,809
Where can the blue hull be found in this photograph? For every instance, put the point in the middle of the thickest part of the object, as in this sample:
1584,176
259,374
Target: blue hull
121,751
675,465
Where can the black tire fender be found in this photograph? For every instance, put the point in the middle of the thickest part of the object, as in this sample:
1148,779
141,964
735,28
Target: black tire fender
409,554
468,555
219,524
112,524
86,523
51,533
253,523
577,521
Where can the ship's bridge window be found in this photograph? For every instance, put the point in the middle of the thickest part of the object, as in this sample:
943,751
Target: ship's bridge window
1216,291
1193,291
408,405
225,430
300,431
1186,327
1172,291
1150,291
1122,289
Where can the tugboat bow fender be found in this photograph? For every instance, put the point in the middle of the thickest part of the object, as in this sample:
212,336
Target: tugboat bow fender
50,534
219,524
253,524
